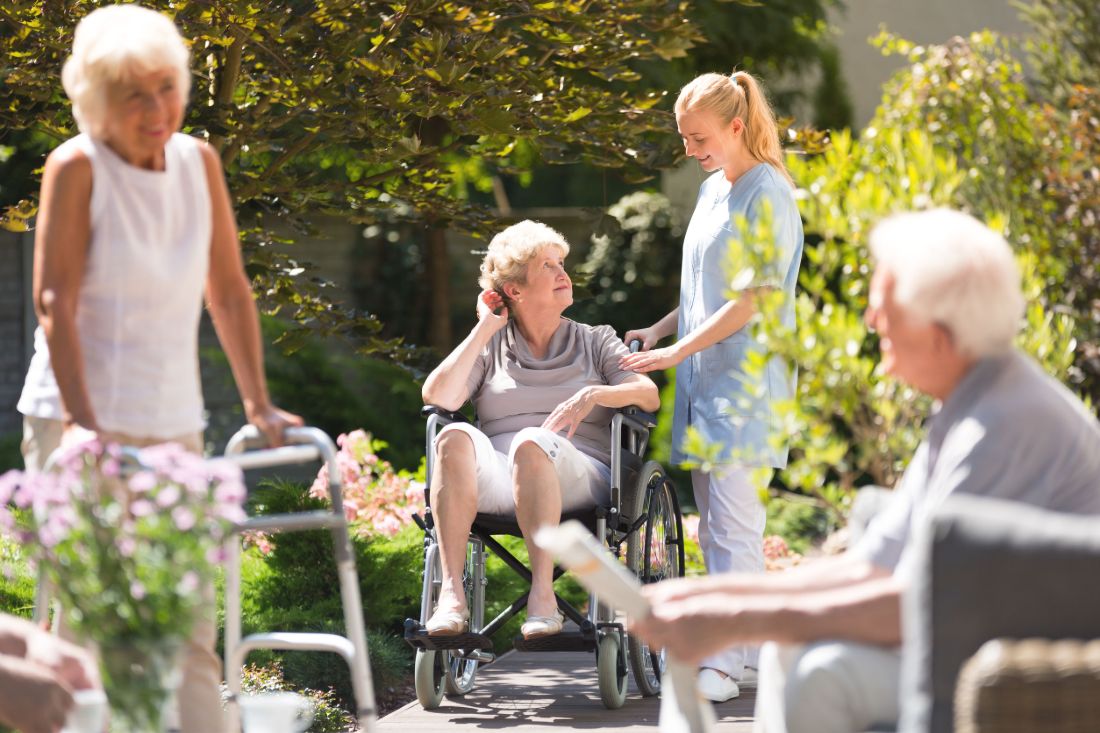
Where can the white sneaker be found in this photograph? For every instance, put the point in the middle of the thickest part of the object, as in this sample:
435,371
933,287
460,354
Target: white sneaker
715,686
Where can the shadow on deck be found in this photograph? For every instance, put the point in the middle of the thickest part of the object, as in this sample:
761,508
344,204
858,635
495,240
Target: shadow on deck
525,691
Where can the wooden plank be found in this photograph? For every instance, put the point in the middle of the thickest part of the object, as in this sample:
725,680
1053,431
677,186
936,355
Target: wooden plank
528,691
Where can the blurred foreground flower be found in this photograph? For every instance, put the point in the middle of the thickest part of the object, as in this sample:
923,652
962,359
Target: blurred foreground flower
128,554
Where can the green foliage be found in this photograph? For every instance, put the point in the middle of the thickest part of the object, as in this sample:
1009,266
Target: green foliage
328,716
800,523
632,269
351,108
11,455
338,392
1064,47
1029,154
779,40
848,425
17,580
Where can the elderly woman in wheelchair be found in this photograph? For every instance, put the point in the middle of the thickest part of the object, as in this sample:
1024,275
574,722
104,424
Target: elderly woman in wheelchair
544,388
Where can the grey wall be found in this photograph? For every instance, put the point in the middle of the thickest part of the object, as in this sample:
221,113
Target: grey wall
929,21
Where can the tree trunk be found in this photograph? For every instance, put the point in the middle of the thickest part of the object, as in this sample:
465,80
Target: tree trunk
439,290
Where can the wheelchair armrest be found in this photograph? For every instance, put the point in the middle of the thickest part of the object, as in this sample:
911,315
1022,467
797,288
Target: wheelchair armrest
641,416
449,415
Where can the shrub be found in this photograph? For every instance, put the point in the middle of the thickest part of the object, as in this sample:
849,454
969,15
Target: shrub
328,716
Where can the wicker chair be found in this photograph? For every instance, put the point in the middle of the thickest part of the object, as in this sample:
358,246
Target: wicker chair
1018,686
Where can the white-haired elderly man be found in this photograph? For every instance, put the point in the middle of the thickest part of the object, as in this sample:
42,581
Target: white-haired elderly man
946,303
134,229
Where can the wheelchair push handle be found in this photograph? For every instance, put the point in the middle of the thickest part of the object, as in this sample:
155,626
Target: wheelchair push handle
635,346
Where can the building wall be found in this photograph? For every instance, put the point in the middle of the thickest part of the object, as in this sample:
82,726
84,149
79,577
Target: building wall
865,69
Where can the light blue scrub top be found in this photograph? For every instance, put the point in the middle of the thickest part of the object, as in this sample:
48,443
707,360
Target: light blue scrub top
711,386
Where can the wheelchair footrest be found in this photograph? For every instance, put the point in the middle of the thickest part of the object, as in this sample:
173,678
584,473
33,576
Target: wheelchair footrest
566,641
418,638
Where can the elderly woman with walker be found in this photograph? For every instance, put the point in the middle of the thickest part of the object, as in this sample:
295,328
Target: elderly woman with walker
134,228
727,124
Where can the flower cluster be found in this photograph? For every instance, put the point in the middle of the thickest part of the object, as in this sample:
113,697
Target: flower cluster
127,551
377,499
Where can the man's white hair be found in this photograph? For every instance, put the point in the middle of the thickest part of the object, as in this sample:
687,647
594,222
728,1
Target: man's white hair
952,269
110,45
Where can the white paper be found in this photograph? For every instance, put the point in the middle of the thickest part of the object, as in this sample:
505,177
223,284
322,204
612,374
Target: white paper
683,710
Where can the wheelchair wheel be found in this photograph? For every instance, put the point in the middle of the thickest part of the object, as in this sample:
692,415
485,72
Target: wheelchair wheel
611,672
447,673
428,677
655,552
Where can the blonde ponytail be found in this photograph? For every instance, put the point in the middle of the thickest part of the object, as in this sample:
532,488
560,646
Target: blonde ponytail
739,95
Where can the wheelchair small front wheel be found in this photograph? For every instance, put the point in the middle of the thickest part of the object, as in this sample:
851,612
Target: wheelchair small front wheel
429,677
611,672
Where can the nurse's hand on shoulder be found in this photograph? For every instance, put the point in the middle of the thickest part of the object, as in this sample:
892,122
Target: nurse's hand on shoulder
272,422
652,360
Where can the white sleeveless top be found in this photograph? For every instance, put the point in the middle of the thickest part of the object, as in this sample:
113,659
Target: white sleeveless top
141,296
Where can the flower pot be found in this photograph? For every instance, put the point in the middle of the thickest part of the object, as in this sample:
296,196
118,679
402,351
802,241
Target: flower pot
140,677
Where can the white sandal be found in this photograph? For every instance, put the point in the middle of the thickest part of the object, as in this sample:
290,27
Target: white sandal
538,626
448,623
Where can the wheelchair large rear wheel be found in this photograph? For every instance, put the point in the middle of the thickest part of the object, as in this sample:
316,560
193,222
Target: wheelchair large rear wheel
655,552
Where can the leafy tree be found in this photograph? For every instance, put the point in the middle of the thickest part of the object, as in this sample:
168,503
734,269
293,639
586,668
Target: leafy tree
347,107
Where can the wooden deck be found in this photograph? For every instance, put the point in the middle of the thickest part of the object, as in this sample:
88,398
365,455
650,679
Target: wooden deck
524,691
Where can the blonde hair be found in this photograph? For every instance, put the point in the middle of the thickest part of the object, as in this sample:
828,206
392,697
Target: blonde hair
109,45
512,249
952,269
738,95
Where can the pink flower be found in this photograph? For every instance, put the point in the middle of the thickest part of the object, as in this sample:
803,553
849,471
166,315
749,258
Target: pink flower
189,583
168,496
230,492
126,546
142,508
137,590
110,468
142,482
183,518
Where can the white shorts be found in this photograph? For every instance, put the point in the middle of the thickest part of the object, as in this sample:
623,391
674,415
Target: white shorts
584,480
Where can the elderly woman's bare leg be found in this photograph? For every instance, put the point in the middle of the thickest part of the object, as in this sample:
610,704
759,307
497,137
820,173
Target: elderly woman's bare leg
454,506
538,503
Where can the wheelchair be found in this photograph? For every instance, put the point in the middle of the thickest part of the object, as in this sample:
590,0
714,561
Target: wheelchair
641,525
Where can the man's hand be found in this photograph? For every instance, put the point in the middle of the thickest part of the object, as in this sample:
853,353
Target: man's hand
690,628
32,698
71,664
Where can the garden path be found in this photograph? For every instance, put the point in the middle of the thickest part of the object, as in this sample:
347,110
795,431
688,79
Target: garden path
527,692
